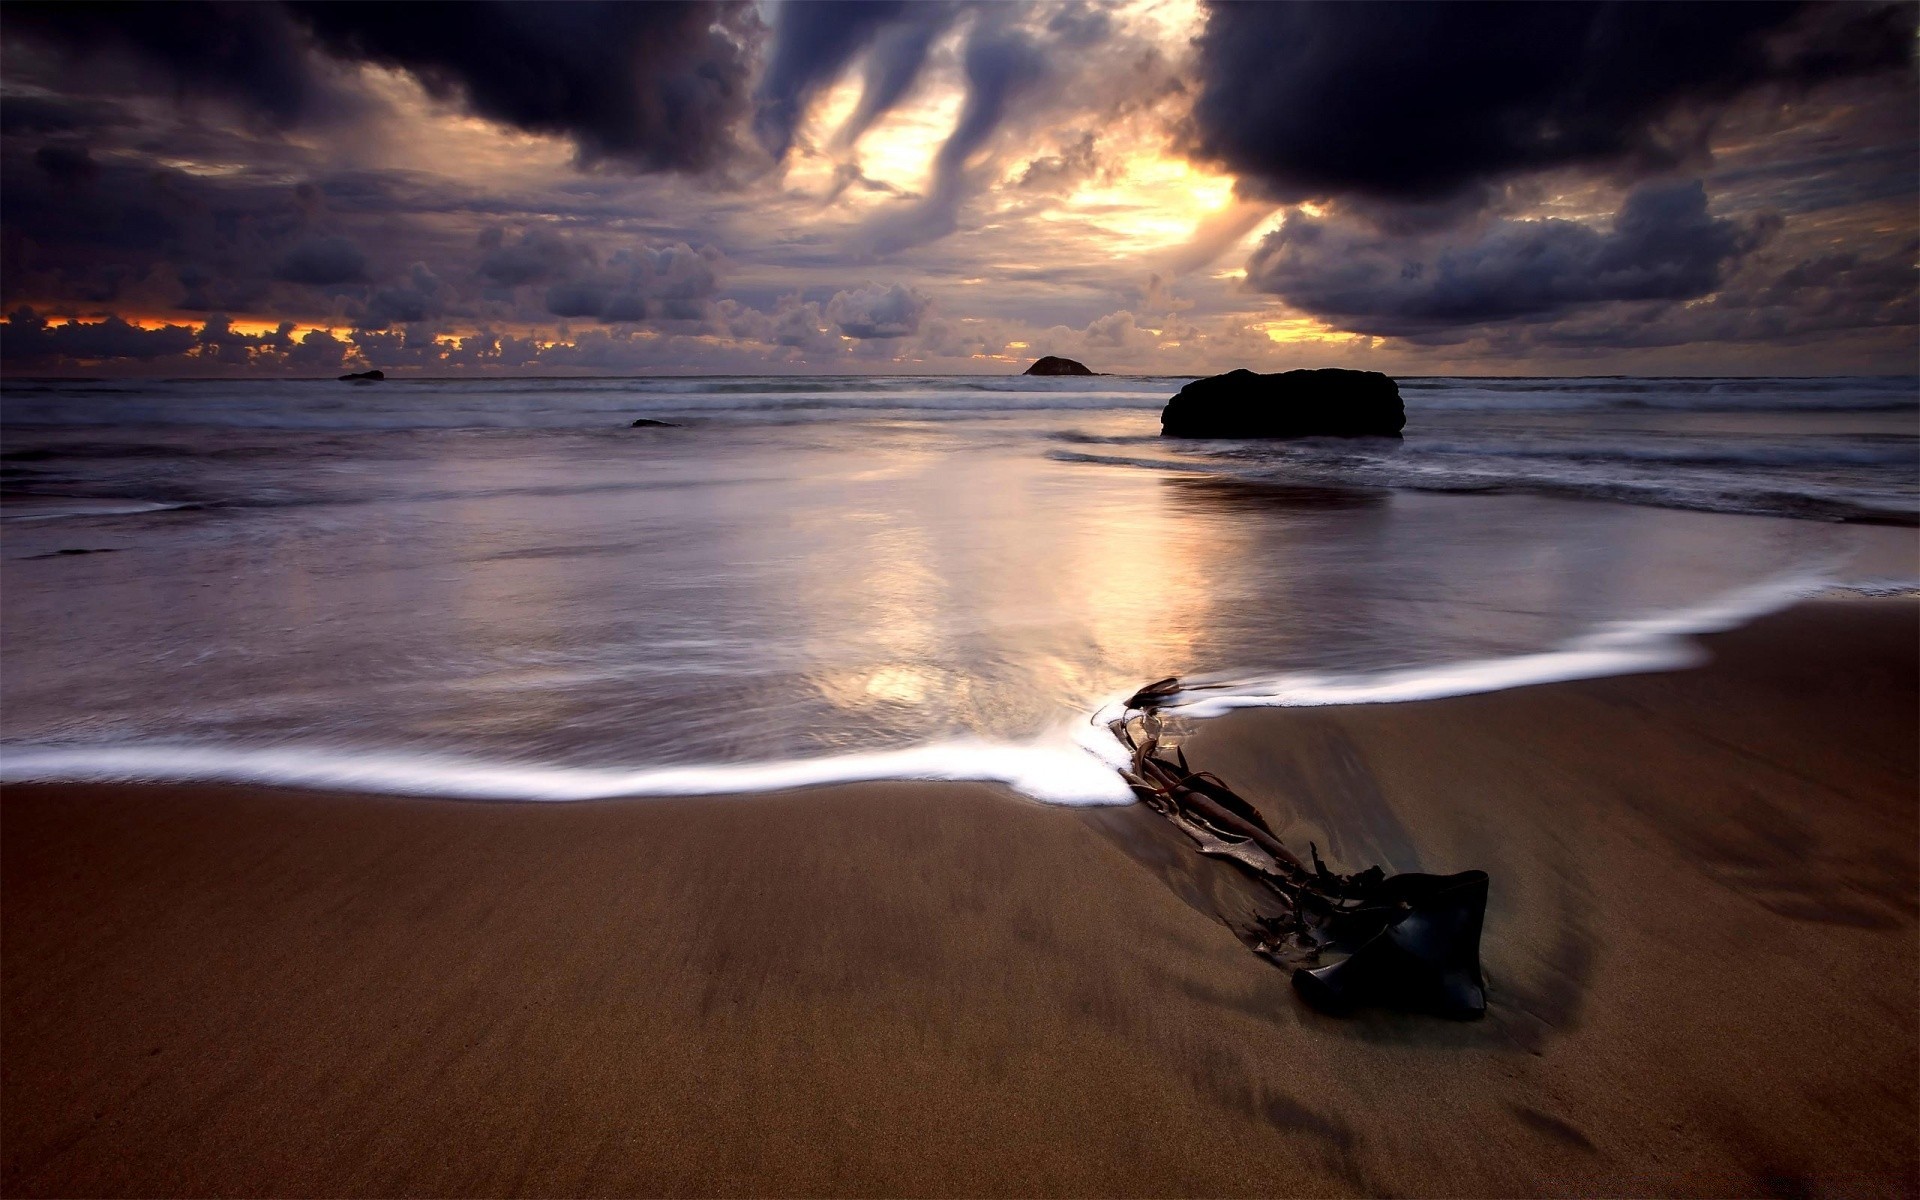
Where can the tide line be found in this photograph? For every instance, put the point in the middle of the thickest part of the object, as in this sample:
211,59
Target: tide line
1076,765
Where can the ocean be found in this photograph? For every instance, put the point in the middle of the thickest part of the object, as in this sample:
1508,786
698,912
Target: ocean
500,588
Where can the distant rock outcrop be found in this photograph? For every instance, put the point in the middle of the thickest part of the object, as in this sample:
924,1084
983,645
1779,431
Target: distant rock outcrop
1327,403
364,377
1049,365
650,423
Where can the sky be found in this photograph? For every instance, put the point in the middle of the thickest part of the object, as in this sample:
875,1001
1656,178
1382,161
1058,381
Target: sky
1148,186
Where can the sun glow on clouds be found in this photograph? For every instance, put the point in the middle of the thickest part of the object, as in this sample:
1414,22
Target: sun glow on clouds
897,151
455,145
406,232
1153,200
1137,197
1306,331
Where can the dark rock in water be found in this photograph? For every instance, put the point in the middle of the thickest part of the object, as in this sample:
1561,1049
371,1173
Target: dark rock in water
1049,365
649,423
1329,402
68,553
364,377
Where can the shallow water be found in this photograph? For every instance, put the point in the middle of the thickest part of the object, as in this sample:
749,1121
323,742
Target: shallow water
478,583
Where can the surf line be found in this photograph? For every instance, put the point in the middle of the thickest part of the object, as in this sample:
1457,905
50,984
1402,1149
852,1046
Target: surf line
1075,765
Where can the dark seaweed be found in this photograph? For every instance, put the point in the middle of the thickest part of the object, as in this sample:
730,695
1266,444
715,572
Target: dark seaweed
1410,941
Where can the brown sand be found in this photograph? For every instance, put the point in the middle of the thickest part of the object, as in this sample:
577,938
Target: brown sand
1702,955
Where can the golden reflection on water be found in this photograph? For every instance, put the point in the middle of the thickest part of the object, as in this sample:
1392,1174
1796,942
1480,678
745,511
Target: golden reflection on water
951,561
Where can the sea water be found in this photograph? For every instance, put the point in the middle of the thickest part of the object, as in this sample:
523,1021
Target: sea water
499,588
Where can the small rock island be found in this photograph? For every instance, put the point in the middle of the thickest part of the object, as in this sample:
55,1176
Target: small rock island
1050,365
363,377
1325,403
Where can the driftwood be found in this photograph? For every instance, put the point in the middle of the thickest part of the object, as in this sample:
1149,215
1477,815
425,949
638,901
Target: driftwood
1410,941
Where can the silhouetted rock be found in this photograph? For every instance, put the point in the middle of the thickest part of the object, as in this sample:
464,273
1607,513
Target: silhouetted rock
649,423
1329,402
364,377
1049,365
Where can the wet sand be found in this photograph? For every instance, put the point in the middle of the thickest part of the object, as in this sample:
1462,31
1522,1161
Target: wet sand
1701,954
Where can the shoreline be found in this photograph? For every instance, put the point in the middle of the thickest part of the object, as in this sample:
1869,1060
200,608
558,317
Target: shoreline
1700,952
1076,766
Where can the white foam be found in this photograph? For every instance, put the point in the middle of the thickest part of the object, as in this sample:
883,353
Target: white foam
35,509
1660,643
1054,772
1076,766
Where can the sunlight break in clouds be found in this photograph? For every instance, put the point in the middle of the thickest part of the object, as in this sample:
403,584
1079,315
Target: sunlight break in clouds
689,187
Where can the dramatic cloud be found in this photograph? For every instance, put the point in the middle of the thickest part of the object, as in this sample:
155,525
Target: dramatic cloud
893,65
1664,245
658,283
249,54
539,254
323,260
877,312
813,43
1413,101
655,86
220,341
1000,63
31,338
416,300
294,187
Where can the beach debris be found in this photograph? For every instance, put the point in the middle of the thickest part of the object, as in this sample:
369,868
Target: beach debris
1330,402
1409,941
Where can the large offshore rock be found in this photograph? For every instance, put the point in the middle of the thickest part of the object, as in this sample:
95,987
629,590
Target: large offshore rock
1050,365
1329,402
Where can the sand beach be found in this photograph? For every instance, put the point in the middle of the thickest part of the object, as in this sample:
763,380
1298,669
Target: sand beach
1701,960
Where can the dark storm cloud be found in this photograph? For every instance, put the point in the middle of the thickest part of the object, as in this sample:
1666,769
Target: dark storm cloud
813,42
539,254
1664,245
655,86
76,228
66,164
322,261
1413,102
28,114
416,300
1813,300
670,282
248,54
1826,293
648,283
29,337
